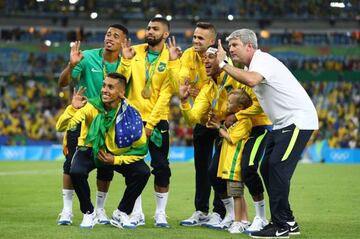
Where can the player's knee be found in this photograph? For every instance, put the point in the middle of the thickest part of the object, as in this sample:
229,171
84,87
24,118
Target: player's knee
162,175
105,174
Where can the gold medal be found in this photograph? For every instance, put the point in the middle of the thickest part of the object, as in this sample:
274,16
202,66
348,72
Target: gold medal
146,92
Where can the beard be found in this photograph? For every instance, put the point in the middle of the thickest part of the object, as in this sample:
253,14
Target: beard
153,42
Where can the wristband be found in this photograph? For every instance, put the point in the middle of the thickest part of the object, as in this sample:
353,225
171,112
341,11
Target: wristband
223,63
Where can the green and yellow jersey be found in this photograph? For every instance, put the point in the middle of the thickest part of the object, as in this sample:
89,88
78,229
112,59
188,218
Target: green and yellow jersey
146,68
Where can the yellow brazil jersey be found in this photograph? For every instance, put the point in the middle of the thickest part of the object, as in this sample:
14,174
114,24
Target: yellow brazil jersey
231,152
71,117
211,96
191,65
155,108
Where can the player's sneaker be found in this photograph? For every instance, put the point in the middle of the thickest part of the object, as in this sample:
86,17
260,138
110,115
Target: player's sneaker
294,228
271,231
101,215
257,224
238,227
65,218
214,219
137,219
89,220
121,220
197,218
160,220
224,224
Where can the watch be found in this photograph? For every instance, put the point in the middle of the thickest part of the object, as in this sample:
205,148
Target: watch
223,63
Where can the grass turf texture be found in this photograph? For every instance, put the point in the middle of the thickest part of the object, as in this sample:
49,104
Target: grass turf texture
325,200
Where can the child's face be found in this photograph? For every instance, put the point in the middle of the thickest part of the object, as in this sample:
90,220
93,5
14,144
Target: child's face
232,105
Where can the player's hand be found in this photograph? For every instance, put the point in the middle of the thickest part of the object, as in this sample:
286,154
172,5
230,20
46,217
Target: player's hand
79,100
230,120
127,51
106,158
76,54
184,92
194,91
148,132
174,50
221,53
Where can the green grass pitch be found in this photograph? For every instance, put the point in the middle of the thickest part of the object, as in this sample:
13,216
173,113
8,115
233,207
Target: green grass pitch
325,200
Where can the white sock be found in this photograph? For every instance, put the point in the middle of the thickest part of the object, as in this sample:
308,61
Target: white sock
100,199
137,206
68,199
229,206
161,202
260,209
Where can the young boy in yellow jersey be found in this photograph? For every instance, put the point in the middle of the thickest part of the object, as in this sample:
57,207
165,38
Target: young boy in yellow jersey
233,142
101,138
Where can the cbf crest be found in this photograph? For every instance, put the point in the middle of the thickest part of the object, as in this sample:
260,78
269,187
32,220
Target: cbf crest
161,67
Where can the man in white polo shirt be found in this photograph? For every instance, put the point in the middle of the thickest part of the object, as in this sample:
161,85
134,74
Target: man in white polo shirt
294,119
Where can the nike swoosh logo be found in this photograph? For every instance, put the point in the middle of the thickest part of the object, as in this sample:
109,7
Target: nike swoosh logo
280,233
163,131
293,228
94,70
285,131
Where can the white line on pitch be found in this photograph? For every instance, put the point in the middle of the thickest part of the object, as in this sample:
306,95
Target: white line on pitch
30,172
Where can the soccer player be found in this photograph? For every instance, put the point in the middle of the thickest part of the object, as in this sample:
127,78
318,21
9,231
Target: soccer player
294,119
88,69
212,97
102,136
191,65
145,66
228,182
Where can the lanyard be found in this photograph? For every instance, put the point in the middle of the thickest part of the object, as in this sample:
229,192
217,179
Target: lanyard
215,100
148,77
104,66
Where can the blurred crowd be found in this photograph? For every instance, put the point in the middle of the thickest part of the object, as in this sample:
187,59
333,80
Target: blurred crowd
29,109
215,9
43,63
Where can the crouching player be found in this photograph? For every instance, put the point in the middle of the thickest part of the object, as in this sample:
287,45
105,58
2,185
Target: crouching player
112,138
225,168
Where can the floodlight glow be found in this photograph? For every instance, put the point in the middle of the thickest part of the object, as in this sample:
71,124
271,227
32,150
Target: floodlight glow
169,17
337,4
230,17
93,15
73,1
47,43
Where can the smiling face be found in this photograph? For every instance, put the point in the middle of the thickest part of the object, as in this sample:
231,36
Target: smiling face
202,39
112,91
113,39
155,33
211,64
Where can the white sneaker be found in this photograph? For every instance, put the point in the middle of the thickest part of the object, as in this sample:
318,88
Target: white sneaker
160,220
224,224
214,219
257,224
101,215
198,218
137,219
238,227
121,220
89,220
65,218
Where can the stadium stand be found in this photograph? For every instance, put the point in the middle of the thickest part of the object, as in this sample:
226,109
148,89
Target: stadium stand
32,56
